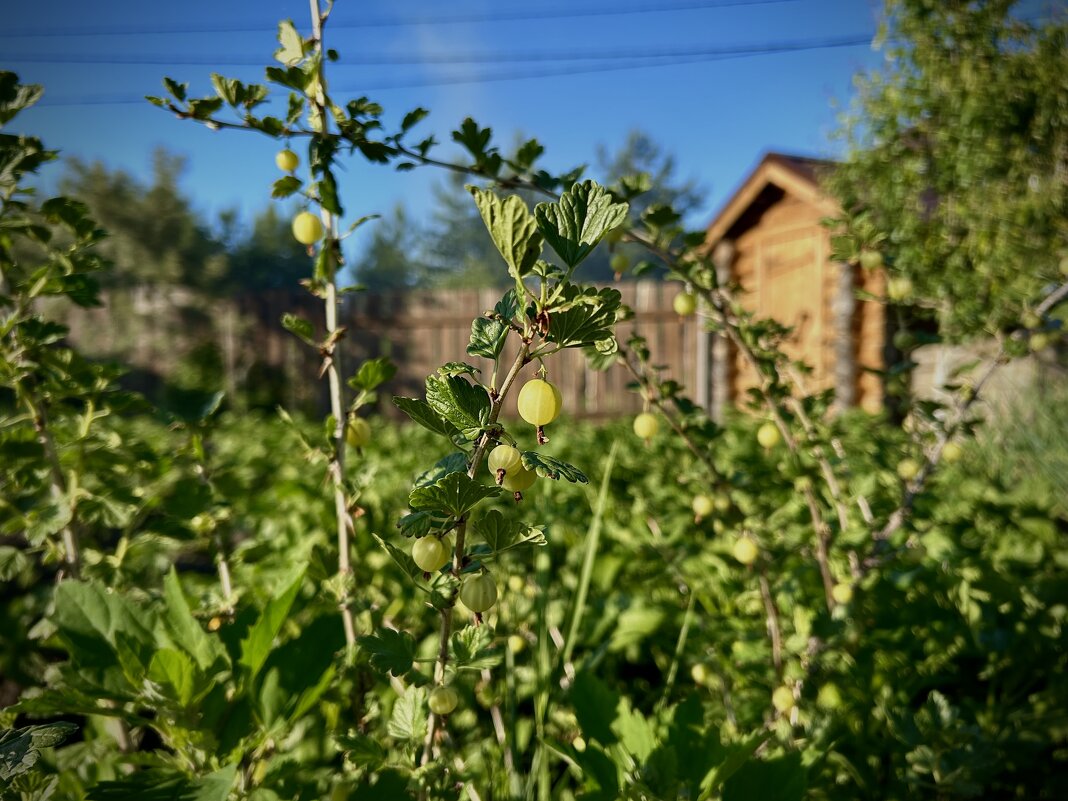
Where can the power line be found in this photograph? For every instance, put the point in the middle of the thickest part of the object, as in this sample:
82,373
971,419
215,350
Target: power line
499,57
354,24
498,76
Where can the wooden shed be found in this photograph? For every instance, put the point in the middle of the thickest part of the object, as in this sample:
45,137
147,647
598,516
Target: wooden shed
768,238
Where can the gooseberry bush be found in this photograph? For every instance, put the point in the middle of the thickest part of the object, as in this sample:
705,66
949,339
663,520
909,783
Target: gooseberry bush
793,600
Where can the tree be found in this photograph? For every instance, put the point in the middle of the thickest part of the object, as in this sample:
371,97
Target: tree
391,259
268,257
156,237
957,155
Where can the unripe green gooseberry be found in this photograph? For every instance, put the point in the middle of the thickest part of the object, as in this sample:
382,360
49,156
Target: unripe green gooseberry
357,432
685,304
746,551
908,469
307,228
782,699
646,425
829,697
443,700
520,480
504,458
516,643
619,263
722,502
1030,320
842,593
899,287
539,402
952,452
768,435
286,160
700,673
871,259
479,593
1039,342
430,553
702,506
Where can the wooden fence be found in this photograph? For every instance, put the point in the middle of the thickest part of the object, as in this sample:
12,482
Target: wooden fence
167,335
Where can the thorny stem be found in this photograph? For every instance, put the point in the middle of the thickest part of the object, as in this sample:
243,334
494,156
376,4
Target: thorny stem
772,613
332,358
496,404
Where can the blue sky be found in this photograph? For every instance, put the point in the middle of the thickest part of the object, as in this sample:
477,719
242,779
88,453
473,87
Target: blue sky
716,116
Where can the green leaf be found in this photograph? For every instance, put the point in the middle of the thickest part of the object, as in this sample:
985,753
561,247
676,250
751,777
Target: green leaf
292,46
408,721
457,400
487,337
738,754
501,534
373,373
20,748
548,467
587,318
455,495
512,229
473,648
636,734
299,327
92,621
163,784
595,707
402,558
286,186
779,779
575,224
257,645
362,750
458,368
412,118
390,651
419,411
455,462
176,670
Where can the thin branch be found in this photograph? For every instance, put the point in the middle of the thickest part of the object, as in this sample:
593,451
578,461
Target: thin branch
771,612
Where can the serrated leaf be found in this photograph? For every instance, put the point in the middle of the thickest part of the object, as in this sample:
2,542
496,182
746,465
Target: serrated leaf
512,229
575,224
185,629
473,648
284,187
548,467
501,534
453,463
458,368
408,721
587,319
95,624
487,338
412,118
389,651
419,524
292,46
373,373
455,495
362,750
457,400
508,306
420,412
20,748
161,784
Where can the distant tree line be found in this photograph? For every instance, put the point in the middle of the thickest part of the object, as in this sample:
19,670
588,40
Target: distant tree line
158,237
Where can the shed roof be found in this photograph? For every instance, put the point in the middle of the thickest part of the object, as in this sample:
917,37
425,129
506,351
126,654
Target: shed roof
775,175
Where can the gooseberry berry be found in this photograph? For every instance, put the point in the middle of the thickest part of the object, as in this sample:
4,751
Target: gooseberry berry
539,402
908,469
899,287
443,700
702,506
286,160
952,452
782,699
646,425
430,553
307,228
357,432
768,435
619,263
685,304
504,461
519,480
746,551
842,593
479,593
871,259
